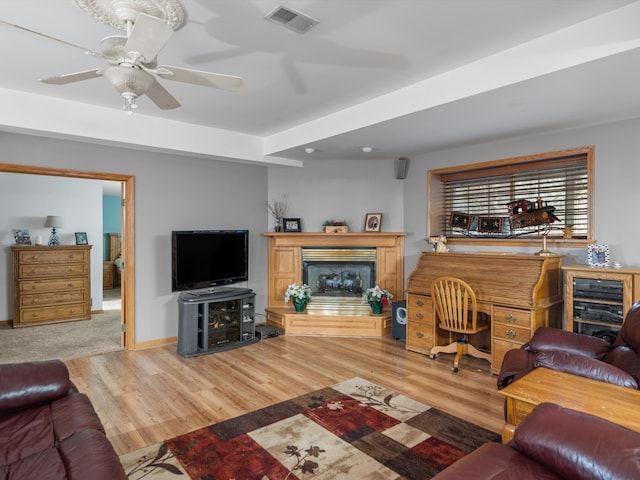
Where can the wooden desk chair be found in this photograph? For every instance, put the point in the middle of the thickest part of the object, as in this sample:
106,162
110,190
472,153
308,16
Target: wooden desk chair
457,308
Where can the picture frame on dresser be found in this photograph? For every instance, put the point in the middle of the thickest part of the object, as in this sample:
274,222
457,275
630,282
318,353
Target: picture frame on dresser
81,238
21,236
598,255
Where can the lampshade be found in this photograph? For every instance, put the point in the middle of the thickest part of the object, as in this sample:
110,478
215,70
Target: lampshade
54,221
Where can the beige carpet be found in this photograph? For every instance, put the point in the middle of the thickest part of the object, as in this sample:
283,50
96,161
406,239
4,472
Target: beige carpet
65,340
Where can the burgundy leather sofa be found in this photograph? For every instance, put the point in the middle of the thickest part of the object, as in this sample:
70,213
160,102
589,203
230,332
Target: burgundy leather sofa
583,355
48,430
555,443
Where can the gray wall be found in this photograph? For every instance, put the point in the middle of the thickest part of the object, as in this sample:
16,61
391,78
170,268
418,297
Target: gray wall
171,193
174,192
617,147
340,190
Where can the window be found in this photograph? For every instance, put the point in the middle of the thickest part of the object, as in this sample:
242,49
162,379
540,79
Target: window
518,198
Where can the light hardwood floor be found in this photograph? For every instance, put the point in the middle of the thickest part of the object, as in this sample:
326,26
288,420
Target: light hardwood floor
147,396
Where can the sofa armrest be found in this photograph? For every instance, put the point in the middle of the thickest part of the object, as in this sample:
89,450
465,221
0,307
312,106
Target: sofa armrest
25,384
546,338
584,367
515,364
578,445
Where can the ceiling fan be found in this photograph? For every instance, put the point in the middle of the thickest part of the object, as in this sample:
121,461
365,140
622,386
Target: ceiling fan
132,64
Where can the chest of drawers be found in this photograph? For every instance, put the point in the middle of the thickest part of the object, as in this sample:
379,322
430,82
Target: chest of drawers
51,284
420,327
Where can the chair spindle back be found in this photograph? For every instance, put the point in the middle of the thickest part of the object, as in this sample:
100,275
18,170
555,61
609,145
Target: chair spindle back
456,303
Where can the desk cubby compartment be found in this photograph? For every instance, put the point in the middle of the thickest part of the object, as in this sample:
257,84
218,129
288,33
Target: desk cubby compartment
214,322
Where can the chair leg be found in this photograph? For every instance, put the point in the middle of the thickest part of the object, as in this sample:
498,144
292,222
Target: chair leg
461,348
465,348
460,352
474,352
451,348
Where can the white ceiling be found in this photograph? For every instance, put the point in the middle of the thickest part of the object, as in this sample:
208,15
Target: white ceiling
402,76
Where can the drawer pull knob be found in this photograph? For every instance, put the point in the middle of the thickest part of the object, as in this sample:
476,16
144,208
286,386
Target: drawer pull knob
510,333
419,334
420,303
419,315
510,318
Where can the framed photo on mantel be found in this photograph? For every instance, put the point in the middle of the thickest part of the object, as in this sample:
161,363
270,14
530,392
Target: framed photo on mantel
372,222
291,225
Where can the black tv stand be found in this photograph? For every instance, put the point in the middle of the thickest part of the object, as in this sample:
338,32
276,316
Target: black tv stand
213,293
214,321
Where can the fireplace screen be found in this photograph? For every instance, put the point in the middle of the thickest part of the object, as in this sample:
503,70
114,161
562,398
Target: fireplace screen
339,272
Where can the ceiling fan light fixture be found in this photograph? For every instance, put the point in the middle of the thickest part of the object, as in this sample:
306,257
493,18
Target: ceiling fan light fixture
131,82
129,102
129,79
132,60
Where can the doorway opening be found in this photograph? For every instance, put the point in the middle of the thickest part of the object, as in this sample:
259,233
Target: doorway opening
127,338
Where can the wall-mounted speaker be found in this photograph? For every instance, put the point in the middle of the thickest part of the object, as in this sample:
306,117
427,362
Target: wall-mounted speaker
401,167
399,318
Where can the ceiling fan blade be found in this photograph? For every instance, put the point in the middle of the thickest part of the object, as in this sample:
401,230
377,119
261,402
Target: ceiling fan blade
73,77
148,36
49,37
161,97
197,77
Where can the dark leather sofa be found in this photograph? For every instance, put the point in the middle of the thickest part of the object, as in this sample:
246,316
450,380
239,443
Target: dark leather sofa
555,443
48,430
583,355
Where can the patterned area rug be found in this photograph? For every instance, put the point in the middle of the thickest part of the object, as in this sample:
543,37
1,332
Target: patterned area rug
352,430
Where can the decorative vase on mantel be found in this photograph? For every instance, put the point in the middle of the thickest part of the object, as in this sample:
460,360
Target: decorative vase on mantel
300,305
376,307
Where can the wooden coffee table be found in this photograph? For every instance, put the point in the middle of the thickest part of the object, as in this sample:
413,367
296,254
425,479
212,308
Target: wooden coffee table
616,404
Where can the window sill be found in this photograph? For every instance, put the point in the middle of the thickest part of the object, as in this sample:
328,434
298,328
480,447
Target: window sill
520,242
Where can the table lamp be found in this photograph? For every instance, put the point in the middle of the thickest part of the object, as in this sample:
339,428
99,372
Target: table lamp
54,222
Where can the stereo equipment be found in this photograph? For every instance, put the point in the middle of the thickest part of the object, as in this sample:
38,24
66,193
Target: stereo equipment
267,331
610,290
399,317
401,167
608,335
599,312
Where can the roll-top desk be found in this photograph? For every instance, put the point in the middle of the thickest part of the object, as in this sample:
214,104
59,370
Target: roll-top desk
520,292
51,284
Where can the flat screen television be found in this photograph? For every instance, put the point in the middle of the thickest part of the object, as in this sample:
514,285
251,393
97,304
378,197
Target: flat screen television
208,258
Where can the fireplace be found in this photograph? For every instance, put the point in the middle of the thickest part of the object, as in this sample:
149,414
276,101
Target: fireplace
338,276
338,267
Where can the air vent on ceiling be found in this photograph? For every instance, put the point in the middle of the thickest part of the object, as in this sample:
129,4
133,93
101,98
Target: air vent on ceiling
289,18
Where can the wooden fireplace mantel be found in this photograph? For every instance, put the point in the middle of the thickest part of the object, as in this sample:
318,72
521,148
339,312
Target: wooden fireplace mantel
285,268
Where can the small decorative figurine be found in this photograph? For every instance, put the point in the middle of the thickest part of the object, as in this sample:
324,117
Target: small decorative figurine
440,246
